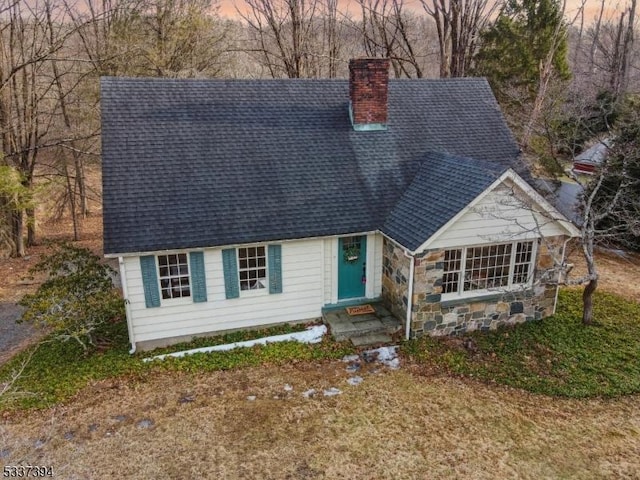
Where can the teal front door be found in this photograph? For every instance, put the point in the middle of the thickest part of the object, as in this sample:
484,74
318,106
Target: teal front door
352,267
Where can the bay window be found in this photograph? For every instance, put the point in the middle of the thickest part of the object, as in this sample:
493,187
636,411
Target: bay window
487,267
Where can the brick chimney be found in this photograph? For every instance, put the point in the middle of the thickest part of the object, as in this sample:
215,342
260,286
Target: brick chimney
368,87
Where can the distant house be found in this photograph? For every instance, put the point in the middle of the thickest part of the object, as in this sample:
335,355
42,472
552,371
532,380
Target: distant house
591,159
240,203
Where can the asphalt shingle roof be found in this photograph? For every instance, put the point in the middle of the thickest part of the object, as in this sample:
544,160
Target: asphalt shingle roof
201,163
443,186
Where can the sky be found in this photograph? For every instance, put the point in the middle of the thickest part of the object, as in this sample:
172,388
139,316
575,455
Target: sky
592,7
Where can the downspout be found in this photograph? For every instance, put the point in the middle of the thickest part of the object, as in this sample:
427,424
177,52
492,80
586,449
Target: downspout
127,305
407,329
564,248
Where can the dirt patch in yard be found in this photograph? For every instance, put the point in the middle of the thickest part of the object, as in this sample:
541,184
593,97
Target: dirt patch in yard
393,425
619,271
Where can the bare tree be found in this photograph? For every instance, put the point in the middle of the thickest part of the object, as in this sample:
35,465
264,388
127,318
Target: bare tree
30,34
389,30
612,49
459,23
285,31
620,72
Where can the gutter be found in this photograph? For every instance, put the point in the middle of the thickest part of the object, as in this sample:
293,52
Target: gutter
407,328
127,305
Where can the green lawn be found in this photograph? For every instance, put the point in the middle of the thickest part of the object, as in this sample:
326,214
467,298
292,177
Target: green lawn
58,370
557,356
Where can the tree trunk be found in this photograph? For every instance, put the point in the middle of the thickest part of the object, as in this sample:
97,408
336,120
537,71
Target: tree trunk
31,226
17,231
80,183
587,302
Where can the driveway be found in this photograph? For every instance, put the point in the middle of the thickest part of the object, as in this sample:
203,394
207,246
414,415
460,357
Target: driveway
13,335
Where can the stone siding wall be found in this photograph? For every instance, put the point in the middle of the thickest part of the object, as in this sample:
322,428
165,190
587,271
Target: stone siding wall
395,278
433,316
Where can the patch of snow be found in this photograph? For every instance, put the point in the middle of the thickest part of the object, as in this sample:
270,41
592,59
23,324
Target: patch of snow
310,335
386,355
331,392
393,364
355,381
251,398
287,387
309,393
350,358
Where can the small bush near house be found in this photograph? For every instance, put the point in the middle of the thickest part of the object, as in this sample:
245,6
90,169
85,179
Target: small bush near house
76,298
556,356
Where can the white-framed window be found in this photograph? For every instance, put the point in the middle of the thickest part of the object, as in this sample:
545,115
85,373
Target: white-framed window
173,272
252,268
485,268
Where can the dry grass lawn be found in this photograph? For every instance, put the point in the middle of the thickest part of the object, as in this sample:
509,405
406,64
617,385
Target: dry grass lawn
396,424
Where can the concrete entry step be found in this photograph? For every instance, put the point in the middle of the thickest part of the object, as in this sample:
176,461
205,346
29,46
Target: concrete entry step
367,329
371,339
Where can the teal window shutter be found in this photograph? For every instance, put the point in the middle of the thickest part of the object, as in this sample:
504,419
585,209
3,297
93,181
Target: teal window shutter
150,281
198,279
230,271
275,268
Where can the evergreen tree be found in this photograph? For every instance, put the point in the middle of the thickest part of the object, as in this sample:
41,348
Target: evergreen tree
514,47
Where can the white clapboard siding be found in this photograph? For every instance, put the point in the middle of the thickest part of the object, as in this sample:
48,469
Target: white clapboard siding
375,273
301,297
498,217
330,266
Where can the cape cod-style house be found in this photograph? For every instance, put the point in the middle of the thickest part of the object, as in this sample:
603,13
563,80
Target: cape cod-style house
241,203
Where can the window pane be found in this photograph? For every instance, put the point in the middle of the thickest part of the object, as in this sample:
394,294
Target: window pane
452,265
523,261
487,267
450,282
174,275
252,263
